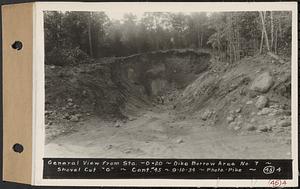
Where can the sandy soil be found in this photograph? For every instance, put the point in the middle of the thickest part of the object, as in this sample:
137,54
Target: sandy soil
157,133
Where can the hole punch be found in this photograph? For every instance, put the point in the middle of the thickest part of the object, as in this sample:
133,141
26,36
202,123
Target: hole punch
18,148
18,45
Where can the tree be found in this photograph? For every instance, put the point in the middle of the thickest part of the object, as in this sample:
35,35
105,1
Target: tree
231,35
90,34
264,31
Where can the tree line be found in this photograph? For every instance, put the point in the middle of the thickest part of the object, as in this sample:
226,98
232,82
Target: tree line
76,37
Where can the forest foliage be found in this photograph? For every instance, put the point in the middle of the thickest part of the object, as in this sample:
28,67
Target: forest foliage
81,37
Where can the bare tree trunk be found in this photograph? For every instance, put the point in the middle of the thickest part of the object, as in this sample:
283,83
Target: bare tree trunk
198,36
90,34
264,30
238,44
276,40
201,40
272,31
261,42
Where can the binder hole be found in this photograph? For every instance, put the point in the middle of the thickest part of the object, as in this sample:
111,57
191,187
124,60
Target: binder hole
17,45
18,148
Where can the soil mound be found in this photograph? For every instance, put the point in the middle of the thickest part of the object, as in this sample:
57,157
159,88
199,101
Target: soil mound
118,87
253,94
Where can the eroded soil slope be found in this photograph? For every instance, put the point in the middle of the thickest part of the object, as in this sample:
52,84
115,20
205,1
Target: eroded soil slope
169,104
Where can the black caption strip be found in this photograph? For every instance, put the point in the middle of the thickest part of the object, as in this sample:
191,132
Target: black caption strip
80,168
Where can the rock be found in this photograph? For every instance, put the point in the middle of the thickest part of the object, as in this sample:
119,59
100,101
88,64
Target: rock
251,127
242,92
52,67
206,115
109,147
66,116
78,115
70,100
127,151
264,111
118,124
284,123
179,141
230,119
131,118
252,120
261,102
74,118
237,128
264,128
238,110
280,130
262,83
232,125
249,102
70,104
275,106
252,94
276,112
272,114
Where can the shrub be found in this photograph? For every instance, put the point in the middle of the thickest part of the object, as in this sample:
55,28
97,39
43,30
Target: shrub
67,57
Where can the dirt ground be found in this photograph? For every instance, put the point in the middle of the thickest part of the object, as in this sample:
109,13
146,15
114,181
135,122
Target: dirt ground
157,134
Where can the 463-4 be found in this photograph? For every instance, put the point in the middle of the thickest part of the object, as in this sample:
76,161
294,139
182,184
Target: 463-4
277,183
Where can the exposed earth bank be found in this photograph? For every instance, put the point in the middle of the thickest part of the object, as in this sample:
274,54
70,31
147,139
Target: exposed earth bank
170,104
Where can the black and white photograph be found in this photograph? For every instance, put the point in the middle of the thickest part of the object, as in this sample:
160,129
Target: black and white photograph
168,84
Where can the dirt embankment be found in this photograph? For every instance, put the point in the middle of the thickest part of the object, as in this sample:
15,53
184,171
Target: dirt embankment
252,95
170,104
118,87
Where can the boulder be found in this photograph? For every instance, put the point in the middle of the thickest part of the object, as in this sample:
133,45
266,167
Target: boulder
206,115
250,127
74,118
262,83
179,141
261,102
230,119
264,128
231,125
284,123
118,124
238,110
237,128
265,111
249,102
